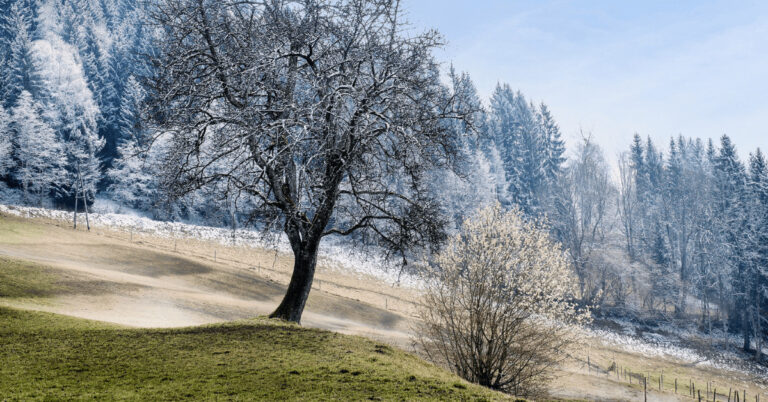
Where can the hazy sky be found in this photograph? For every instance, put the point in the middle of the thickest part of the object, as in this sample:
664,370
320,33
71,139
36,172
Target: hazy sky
659,68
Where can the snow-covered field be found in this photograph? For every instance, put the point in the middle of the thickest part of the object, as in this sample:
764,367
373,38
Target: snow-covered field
334,253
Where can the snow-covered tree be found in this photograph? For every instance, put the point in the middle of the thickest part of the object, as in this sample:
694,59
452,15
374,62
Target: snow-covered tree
553,144
39,153
756,274
134,173
581,219
6,157
71,109
18,69
519,138
327,116
133,176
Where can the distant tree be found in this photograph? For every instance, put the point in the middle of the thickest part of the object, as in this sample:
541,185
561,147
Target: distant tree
662,280
757,237
324,113
553,143
72,112
581,220
730,180
519,138
130,122
498,309
628,204
133,176
6,150
18,71
40,155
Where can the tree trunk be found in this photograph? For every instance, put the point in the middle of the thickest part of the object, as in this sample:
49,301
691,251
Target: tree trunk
74,215
746,328
85,205
292,306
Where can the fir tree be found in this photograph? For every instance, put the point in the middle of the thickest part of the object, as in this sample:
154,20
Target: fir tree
554,144
6,158
39,153
18,73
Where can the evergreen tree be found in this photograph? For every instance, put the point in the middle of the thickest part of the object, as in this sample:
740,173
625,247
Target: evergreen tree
133,179
6,158
518,137
40,155
662,282
554,144
730,220
756,295
17,74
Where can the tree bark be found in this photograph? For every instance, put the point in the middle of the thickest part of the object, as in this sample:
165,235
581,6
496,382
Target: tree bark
292,306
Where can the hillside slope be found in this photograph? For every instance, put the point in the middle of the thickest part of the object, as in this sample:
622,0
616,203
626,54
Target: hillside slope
47,356
132,276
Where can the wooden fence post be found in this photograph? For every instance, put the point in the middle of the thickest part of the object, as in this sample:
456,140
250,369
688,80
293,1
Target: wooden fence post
645,389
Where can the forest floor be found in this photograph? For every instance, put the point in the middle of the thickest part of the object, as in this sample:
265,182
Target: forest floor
139,279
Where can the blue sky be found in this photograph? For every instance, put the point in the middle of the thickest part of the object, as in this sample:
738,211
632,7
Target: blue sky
613,68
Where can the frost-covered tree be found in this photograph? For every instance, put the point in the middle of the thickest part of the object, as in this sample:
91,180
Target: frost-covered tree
323,113
520,140
134,172
756,292
18,69
581,219
130,121
134,176
553,144
41,157
72,112
471,184
6,157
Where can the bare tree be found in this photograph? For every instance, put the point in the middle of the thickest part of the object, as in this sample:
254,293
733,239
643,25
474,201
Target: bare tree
582,219
627,203
499,309
325,113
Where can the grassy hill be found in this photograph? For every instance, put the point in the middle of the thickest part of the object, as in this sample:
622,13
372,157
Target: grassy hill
55,357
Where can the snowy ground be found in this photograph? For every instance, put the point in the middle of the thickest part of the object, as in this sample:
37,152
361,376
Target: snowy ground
334,253
668,341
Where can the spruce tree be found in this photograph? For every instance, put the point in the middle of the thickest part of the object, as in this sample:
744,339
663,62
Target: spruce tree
40,155
554,144
17,75
6,157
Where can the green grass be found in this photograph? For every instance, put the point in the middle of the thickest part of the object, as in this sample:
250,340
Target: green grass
21,279
52,357
46,356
